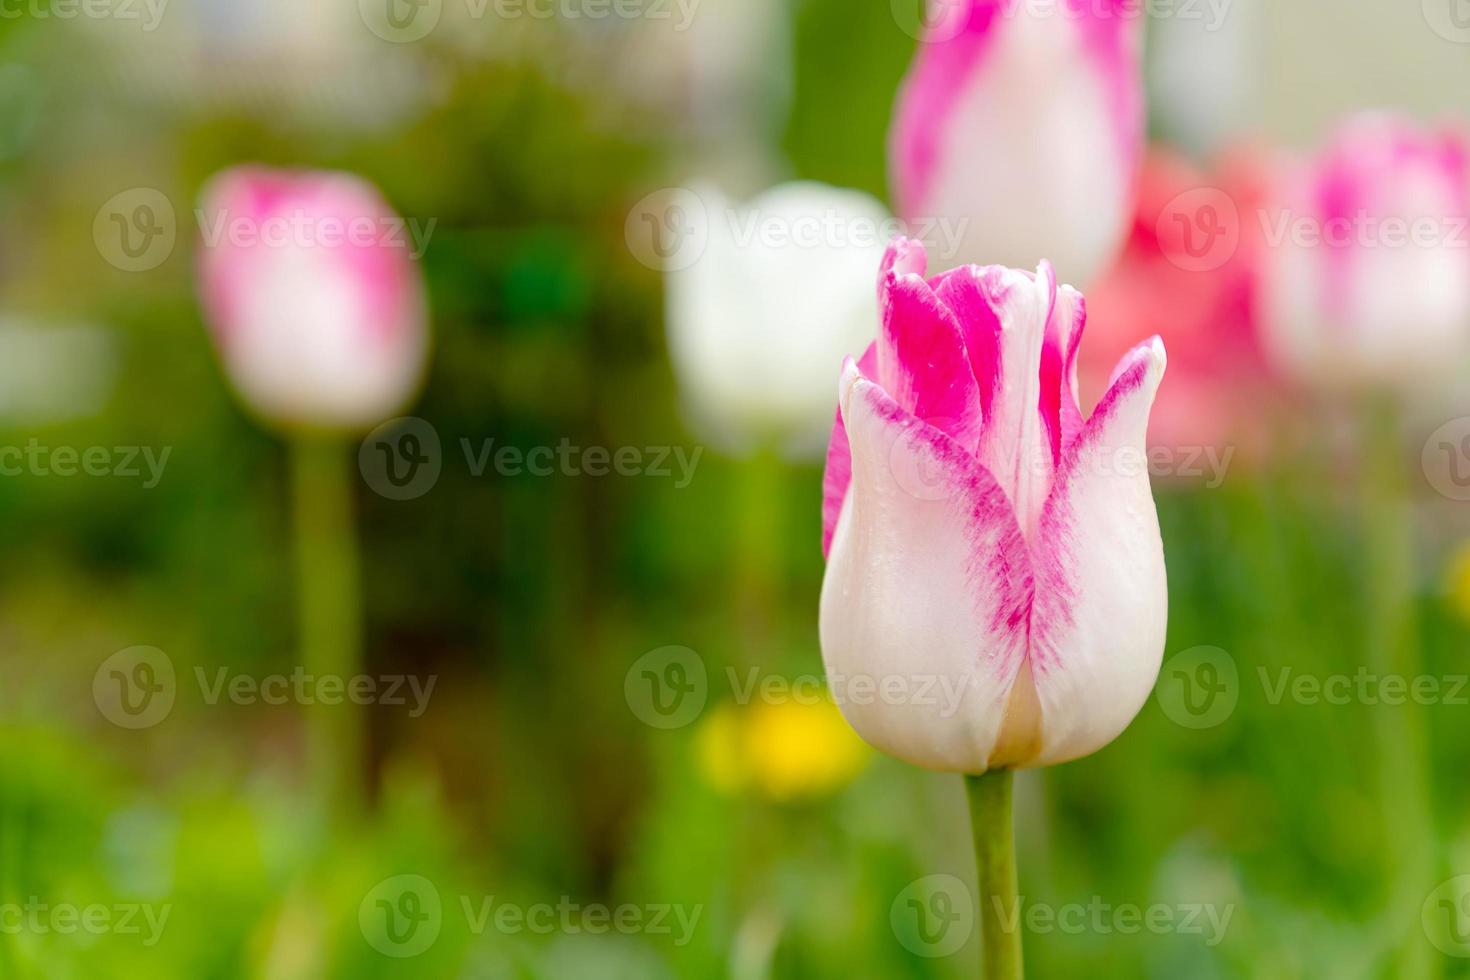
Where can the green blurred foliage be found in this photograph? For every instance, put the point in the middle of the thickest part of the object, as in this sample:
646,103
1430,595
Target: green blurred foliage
529,779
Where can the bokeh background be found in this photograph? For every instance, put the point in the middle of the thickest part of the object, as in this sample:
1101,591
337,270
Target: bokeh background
532,777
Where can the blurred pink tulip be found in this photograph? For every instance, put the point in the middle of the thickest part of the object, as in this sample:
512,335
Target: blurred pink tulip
988,546
1365,277
1200,303
1025,124
313,298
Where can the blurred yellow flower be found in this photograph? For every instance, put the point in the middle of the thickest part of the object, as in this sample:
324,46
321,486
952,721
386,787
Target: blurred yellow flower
784,751
1457,580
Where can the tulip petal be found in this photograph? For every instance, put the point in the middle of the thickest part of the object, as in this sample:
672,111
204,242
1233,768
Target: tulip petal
922,362
928,592
1059,399
1004,313
838,474
1097,631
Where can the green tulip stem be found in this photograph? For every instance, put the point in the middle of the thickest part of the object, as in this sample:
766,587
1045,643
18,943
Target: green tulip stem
1393,650
329,610
995,862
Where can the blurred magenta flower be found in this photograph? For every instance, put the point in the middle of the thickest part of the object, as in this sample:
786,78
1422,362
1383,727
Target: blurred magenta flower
313,296
781,290
995,571
1200,303
1365,277
1025,122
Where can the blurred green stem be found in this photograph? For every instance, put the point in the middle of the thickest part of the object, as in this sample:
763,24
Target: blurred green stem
995,862
758,548
329,610
1393,650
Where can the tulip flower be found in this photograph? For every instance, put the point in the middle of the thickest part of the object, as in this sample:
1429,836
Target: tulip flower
1365,281
981,531
995,575
781,291
318,313
316,307
1024,123
1364,291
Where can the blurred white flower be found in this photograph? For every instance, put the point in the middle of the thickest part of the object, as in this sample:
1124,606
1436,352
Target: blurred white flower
759,324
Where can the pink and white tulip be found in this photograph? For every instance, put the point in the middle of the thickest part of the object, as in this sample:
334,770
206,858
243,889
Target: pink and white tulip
984,539
1025,125
1365,280
314,301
